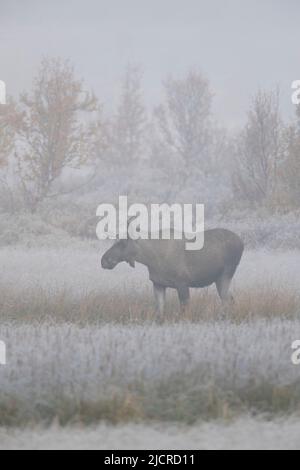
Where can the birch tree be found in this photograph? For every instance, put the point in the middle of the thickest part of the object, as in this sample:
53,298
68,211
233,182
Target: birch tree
56,134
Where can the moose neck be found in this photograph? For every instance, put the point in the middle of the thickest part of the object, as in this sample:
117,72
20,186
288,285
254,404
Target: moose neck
142,252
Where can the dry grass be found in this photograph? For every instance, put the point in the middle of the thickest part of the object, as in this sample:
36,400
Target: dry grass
103,356
40,305
180,406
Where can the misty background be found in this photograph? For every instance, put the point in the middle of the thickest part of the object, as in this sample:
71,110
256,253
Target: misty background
164,102
240,46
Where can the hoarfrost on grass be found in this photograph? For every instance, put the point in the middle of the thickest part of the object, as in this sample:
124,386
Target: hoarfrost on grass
47,364
245,433
78,269
79,371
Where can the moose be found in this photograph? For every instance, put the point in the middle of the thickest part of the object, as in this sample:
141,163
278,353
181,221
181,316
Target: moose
170,265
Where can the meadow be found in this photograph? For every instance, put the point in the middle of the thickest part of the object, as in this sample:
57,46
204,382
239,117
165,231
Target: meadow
85,347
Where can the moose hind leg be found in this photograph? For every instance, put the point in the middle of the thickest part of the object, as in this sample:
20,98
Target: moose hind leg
160,298
223,284
184,297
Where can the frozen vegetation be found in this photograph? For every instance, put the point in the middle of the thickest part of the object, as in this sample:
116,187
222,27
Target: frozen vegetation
76,267
84,346
243,433
183,372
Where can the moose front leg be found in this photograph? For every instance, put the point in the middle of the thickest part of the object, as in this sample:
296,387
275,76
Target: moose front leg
184,298
160,298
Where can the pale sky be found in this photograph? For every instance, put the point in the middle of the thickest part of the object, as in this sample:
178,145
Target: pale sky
239,45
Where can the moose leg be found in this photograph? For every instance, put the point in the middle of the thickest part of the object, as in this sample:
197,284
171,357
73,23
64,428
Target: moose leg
160,298
184,297
223,284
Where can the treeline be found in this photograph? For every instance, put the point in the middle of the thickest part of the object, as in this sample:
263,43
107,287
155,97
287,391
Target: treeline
175,152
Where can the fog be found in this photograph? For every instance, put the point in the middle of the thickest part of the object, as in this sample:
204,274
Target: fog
239,46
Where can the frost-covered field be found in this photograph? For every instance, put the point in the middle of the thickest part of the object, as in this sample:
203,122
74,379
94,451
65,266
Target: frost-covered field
78,268
80,352
179,372
244,433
